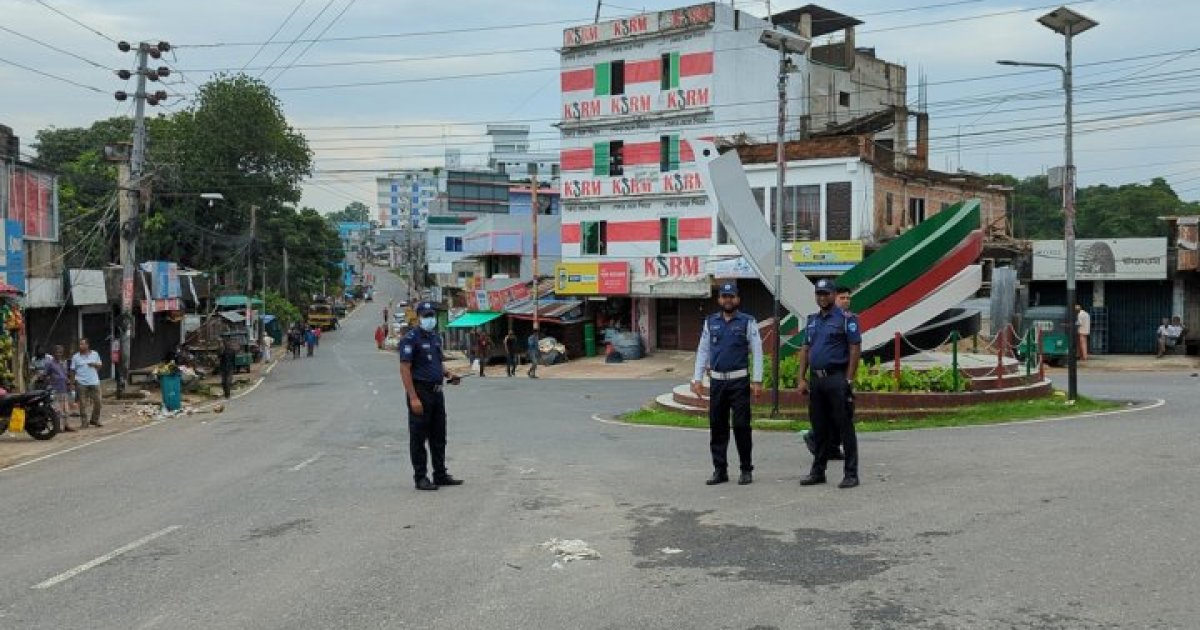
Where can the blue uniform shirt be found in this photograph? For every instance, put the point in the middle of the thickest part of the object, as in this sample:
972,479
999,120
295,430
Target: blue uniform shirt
829,337
424,351
727,346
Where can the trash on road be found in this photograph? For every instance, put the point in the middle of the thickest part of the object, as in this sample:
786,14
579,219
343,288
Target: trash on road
570,550
670,550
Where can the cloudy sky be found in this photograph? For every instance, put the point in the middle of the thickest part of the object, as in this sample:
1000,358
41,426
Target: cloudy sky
437,71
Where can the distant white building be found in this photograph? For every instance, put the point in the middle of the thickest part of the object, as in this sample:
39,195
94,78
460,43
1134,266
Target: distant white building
404,197
510,154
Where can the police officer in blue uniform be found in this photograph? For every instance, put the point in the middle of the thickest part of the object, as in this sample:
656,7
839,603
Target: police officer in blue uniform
727,343
832,347
423,375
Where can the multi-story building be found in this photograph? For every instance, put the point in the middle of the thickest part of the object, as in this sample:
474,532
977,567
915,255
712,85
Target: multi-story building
635,90
404,197
512,156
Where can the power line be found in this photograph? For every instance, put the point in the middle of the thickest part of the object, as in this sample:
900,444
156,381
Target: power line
52,76
81,24
311,44
56,48
295,39
272,37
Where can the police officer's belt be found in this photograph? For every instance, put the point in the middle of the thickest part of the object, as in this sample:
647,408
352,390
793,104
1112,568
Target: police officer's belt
437,387
729,376
834,371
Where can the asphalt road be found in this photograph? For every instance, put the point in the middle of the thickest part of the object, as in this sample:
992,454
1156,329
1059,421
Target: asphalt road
295,509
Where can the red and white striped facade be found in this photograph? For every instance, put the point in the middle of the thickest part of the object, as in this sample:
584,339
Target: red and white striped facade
635,90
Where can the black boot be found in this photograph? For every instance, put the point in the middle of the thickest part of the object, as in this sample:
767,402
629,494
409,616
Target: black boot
718,476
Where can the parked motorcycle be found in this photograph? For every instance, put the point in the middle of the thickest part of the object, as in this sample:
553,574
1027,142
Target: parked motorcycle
41,418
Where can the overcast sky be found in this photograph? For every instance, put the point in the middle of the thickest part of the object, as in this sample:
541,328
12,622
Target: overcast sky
1137,75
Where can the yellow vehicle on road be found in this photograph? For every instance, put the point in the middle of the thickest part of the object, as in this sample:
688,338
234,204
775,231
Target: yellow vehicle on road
320,315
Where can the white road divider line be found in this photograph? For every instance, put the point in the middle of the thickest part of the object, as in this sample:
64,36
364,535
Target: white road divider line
63,577
307,462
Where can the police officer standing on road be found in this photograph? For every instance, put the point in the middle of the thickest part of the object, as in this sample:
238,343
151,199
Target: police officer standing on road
726,343
832,347
842,301
422,372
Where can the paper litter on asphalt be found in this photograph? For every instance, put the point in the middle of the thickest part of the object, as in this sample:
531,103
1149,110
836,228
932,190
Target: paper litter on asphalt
670,550
571,550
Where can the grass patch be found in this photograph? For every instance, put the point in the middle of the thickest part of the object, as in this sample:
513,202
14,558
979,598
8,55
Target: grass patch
987,413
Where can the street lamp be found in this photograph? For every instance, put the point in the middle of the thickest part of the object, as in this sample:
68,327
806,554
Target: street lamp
1068,24
787,44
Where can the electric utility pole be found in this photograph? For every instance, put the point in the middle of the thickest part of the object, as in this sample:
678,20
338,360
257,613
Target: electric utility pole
534,210
132,185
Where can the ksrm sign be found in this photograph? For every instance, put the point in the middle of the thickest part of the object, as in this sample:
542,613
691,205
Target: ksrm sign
1103,259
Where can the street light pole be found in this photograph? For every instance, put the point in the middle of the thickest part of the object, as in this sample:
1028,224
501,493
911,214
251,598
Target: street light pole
786,43
780,175
1068,24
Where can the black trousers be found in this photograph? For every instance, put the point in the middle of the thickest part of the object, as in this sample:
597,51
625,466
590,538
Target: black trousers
829,411
513,359
726,398
428,427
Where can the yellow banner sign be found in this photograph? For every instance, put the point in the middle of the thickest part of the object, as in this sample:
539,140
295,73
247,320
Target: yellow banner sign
827,252
595,278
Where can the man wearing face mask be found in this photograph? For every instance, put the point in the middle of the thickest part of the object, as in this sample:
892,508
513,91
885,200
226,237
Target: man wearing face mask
727,342
423,375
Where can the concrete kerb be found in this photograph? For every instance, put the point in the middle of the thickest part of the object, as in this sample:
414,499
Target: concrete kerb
1136,406
152,423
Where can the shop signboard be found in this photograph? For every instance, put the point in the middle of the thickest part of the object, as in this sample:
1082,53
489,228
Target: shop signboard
731,268
827,255
1103,259
13,255
1186,242
637,25
592,278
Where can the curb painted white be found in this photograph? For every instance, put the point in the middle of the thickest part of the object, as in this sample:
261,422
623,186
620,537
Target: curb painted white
1147,406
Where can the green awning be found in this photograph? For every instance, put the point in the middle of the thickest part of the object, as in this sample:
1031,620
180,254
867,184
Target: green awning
226,301
473,319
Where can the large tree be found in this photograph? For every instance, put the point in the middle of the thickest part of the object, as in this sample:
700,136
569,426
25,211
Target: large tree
234,140
354,212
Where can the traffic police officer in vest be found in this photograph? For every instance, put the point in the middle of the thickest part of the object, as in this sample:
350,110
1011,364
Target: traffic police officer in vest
423,375
832,347
728,342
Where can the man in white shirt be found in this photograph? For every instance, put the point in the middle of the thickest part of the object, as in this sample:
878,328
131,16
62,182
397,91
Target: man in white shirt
1169,334
85,370
1083,328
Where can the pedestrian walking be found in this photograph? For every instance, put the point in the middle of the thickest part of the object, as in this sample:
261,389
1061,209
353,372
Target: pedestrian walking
380,336
57,375
317,335
85,370
267,340
228,361
1083,328
483,349
295,340
531,347
729,342
832,346
423,373
310,340
511,353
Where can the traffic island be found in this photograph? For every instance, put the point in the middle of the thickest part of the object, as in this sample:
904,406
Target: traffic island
930,389
793,419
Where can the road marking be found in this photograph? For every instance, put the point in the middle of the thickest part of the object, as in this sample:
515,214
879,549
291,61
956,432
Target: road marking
79,446
63,577
307,462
